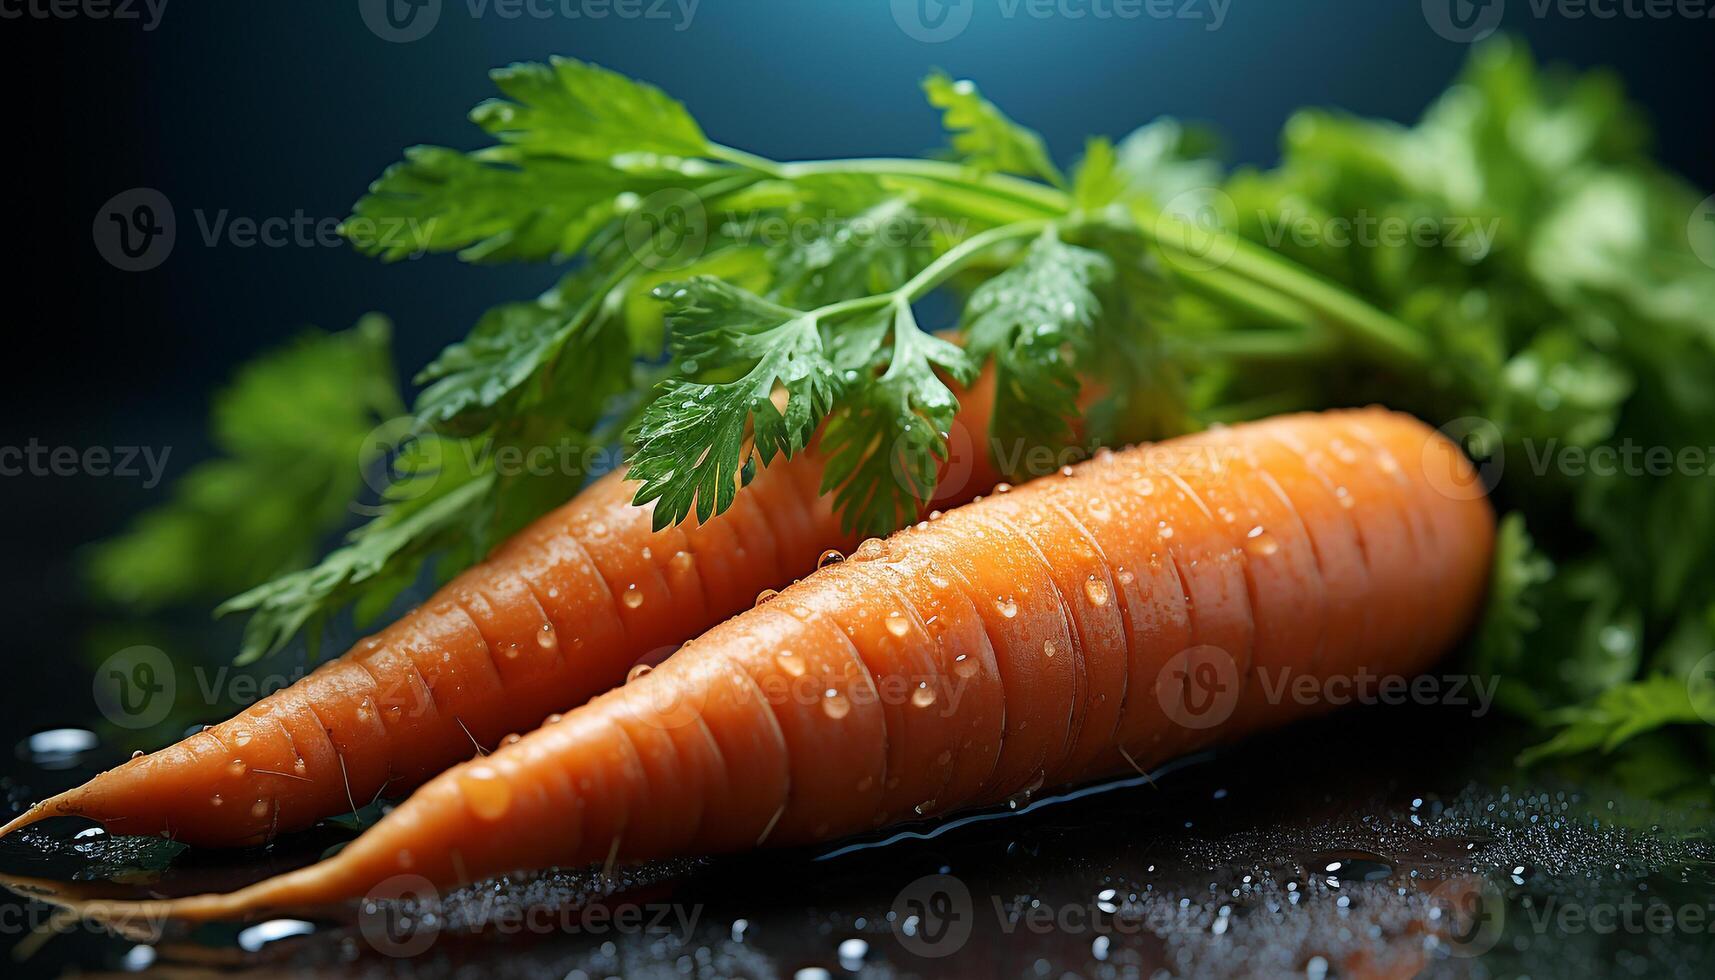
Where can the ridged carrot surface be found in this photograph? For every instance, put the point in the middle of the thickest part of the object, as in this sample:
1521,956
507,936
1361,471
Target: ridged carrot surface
1032,638
556,615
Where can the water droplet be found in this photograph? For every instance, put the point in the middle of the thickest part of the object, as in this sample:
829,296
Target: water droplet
1126,577
964,666
1065,471
834,704
241,738
554,719
546,638
510,651
1165,528
1146,487
632,597
1345,497
832,556
259,809
1097,508
636,672
486,794
237,767
1096,590
1048,648
897,624
1261,543
261,934
299,766
764,596
790,662
1003,488
647,554
681,561
872,549
512,739
554,593
215,800
924,696
851,954
1008,608
137,753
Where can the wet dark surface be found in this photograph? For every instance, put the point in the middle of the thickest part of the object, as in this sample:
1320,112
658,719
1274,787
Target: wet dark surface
1387,841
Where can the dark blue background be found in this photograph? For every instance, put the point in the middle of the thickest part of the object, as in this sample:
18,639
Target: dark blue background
270,109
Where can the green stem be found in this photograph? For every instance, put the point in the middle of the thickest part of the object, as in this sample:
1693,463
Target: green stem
1383,335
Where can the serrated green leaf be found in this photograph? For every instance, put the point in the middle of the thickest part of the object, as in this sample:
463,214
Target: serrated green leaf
983,136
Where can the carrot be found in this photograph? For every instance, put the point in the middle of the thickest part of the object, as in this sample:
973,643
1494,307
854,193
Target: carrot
1035,637
556,615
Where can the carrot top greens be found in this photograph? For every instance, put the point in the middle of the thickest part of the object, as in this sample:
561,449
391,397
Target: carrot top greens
1513,267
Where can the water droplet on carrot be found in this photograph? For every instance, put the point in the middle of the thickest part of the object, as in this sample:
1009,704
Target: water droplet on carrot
1146,487
1096,591
299,766
554,719
1003,488
1048,648
964,666
790,662
512,739
1345,497
636,672
681,561
510,651
486,794
237,767
1126,577
1006,606
546,637
259,809
834,704
1097,508
647,554
924,696
241,738
215,800
872,549
1261,543
765,595
897,624
632,597
1165,528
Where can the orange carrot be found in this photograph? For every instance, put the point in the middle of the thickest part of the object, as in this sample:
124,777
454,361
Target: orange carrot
556,615
1058,632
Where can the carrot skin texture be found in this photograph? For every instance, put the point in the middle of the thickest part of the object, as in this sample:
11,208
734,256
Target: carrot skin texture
699,756
556,615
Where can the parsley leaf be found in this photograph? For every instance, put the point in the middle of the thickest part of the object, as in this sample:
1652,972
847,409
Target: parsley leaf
695,437
1030,319
885,446
584,112
983,136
